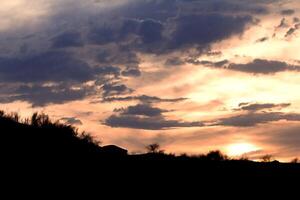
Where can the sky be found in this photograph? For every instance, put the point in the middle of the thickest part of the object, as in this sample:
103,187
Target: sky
191,75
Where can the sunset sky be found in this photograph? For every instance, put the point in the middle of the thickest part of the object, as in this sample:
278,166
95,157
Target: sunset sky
191,75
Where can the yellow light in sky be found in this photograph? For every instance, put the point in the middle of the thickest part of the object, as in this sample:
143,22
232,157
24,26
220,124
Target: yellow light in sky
239,149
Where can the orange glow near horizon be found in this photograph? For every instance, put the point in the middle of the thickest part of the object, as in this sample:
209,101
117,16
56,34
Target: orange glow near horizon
239,149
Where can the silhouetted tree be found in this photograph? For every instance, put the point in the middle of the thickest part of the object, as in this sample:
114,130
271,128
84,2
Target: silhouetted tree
295,161
216,156
154,148
267,158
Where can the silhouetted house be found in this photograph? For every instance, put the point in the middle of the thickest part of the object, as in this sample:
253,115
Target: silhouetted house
114,150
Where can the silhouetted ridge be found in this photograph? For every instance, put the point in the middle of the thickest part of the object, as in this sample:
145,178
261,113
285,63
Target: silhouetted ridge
40,138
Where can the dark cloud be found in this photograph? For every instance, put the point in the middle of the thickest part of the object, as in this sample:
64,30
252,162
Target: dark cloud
205,29
261,106
117,56
143,98
114,89
142,110
133,72
260,66
144,116
288,12
254,118
41,95
283,24
67,39
76,45
207,63
263,39
71,120
296,19
49,66
257,66
108,70
292,30
136,122
175,61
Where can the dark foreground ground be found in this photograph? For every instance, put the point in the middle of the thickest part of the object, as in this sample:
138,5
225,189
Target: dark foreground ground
38,147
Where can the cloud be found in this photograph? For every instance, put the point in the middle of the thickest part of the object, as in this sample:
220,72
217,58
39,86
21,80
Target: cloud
175,61
288,12
257,66
143,98
67,39
142,110
205,29
253,107
48,66
252,119
89,41
207,63
292,30
263,39
154,123
133,72
113,89
143,116
261,66
42,95
283,24
71,120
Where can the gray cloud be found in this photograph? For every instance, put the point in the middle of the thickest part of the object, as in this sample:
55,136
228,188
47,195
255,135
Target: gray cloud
143,116
67,39
260,66
261,106
49,66
257,66
252,119
85,42
41,95
263,39
205,29
142,110
288,12
154,123
283,23
71,120
114,89
143,98
133,72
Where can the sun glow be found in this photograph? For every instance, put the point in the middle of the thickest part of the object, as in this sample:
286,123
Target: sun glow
239,149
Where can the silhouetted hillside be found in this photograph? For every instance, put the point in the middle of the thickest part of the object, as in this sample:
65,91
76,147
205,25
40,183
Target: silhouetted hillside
38,139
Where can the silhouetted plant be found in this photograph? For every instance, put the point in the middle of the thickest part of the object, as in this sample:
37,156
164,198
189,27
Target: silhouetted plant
14,116
154,148
2,113
89,139
267,158
244,158
39,120
295,161
216,156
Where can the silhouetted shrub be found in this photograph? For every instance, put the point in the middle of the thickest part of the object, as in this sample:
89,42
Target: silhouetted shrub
154,148
216,156
267,158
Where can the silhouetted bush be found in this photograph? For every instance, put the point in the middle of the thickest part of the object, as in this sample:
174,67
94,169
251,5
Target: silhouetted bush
154,148
267,158
295,161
